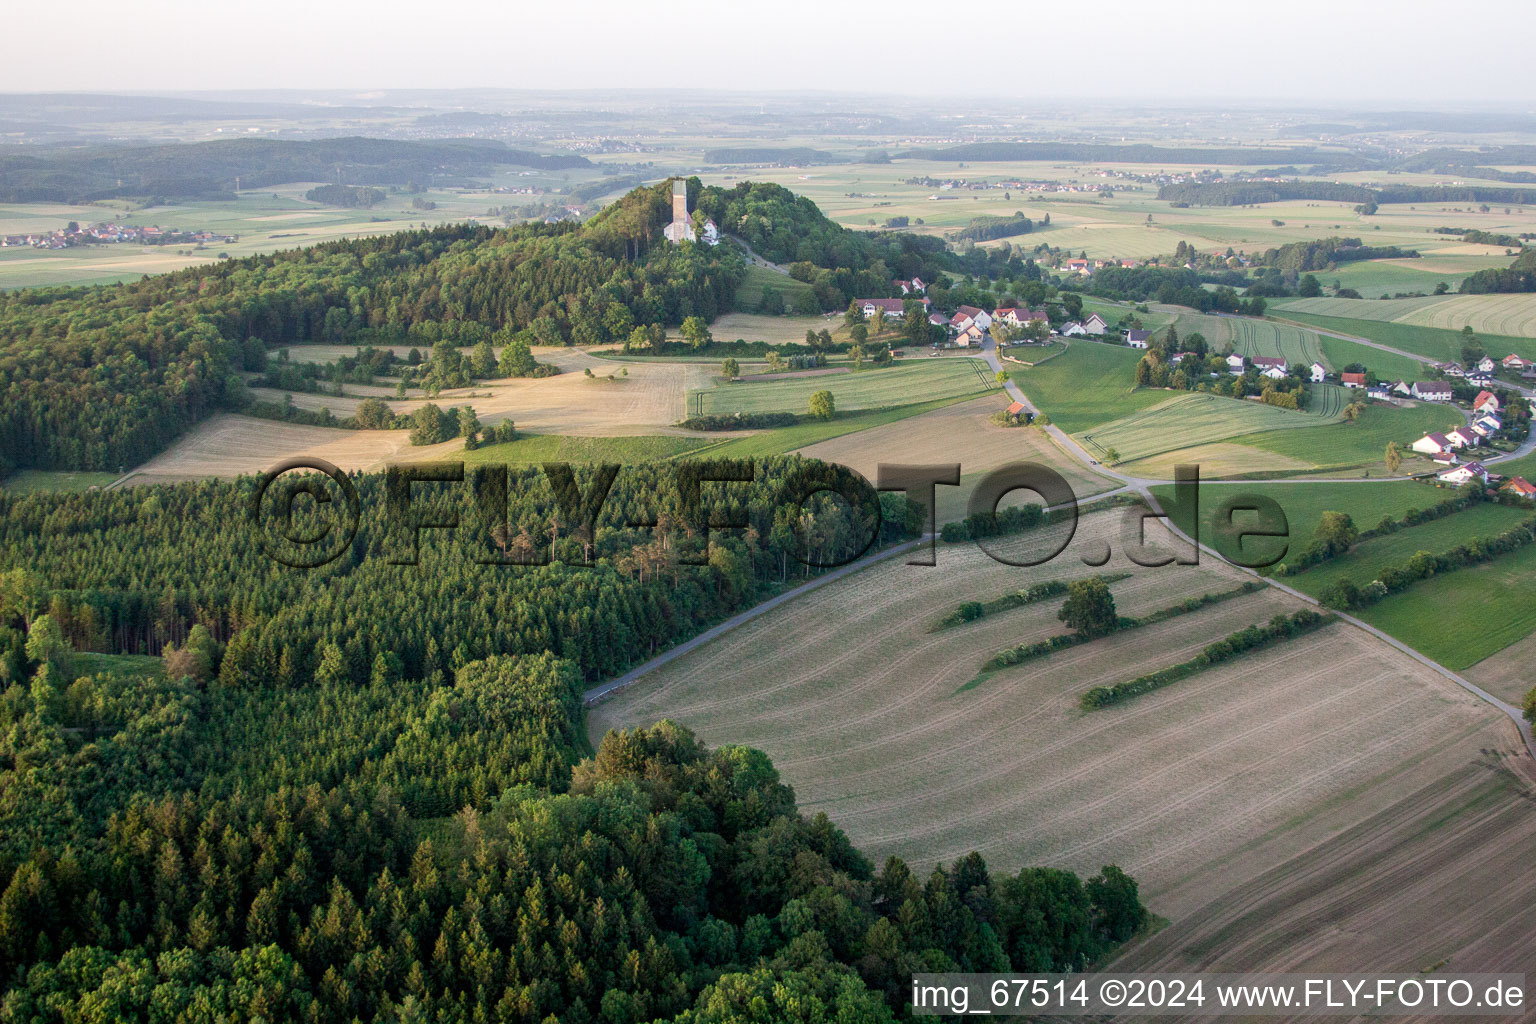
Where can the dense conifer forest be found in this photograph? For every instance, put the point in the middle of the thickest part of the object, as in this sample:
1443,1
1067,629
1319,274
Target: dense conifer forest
365,791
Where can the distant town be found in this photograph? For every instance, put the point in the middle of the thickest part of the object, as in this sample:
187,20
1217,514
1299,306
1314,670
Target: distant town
73,235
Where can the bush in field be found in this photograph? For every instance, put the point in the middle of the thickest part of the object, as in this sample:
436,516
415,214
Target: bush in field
823,406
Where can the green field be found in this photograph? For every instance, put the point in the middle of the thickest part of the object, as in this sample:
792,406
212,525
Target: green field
1377,278
798,296
1087,386
1361,443
1462,617
1442,346
788,439
1305,503
1249,337
1367,559
30,481
1385,365
1505,316
1192,419
906,383
536,448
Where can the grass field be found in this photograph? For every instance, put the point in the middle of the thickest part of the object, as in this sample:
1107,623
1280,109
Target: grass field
1192,419
1249,337
931,439
1462,617
1196,790
798,295
1088,386
1305,503
537,448
1340,353
32,481
1367,559
1361,444
1509,316
1439,345
902,384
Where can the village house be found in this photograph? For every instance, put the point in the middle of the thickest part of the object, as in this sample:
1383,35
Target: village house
1272,373
1487,426
1094,324
1451,369
1071,329
1235,363
1319,373
1265,363
1444,459
1018,316
1520,486
1082,267
1431,444
1486,365
1353,380
711,232
1137,339
1432,391
972,335
1403,388
1461,437
1514,362
1463,474
1378,392
1486,401
965,316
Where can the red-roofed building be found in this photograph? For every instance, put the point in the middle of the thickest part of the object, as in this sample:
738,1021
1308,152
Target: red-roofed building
1518,484
1486,401
1353,380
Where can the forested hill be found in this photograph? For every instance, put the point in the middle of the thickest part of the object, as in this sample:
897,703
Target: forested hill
366,792
95,377
207,169
1242,193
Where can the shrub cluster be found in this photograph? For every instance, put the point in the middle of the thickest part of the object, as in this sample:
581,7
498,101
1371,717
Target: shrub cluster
741,421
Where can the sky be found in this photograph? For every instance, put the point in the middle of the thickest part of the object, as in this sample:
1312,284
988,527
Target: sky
1339,53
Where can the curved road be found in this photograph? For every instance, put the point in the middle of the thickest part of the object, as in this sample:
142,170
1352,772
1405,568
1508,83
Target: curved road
1142,486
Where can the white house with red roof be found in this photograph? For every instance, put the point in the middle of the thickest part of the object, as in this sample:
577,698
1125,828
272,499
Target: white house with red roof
1353,380
893,308
1461,437
965,316
1514,362
1486,401
1521,486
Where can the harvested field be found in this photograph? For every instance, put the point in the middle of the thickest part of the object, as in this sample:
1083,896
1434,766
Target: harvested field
1436,877
227,445
960,433
1507,674
1241,767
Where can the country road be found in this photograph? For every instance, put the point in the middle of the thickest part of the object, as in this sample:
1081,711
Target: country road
1140,486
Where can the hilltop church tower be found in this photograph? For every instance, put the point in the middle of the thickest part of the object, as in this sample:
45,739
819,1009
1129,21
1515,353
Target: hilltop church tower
681,227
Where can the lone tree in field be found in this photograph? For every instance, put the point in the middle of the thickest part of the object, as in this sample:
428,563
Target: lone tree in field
696,331
1394,457
1089,608
1335,533
731,369
822,405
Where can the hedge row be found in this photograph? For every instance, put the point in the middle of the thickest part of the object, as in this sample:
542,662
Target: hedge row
741,421
1317,554
970,611
1024,652
1244,641
1345,595
1020,518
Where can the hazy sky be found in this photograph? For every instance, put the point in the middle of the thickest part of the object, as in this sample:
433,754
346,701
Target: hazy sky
1342,51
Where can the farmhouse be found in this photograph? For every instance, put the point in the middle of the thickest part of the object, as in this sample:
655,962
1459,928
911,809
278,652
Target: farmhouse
1378,392
1137,339
1451,369
909,287
1486,401
1486,365
1432,391
1514,362
938,319
972,335
1095,324
1080,267
1270,363
1019,316
1403,388
1521,486
1235,363
1463,474
1353,380
1319,373
1273,373
1071,329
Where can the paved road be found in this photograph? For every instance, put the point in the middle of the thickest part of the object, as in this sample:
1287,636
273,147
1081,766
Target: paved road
1142,485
